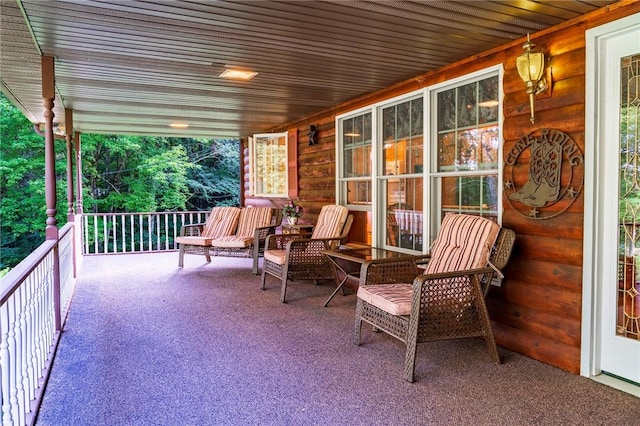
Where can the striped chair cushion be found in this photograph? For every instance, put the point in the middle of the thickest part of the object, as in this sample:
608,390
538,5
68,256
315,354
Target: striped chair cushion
252,218
463,242
222,221
330,221
392,298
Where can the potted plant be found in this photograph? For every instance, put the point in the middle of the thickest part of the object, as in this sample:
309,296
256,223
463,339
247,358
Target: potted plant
292,211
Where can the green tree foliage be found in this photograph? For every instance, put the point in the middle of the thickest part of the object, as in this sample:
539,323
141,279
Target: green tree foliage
120,174
23,209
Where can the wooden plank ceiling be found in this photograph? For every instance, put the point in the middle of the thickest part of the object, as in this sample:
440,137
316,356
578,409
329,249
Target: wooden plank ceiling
134,67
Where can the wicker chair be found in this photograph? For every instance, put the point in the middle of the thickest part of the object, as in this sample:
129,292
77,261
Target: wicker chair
295,257
254,225
444,301
196,238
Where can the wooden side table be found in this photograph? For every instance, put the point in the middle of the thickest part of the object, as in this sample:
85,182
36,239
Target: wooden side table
297,229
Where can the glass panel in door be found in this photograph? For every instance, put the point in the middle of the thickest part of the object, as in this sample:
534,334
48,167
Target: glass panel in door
628,291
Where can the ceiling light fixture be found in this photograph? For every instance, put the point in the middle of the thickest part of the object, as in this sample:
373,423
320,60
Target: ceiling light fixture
238,74
352,135
179,125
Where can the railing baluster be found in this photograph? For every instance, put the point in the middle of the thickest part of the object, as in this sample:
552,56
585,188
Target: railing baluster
132,241
5,364
157,221
122,231
166,231
114,227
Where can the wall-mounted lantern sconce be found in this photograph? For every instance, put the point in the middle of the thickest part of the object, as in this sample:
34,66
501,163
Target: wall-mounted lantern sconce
531,69
313,134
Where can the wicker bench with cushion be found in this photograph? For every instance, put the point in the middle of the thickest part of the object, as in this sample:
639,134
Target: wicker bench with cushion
196,238
238,232
254,225
447,300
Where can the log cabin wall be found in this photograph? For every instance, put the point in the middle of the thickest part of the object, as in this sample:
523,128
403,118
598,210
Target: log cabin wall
537,310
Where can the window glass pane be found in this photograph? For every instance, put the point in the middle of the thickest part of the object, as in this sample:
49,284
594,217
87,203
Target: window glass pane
446,110
415,155
358,191
476,195
417,119
404,216
403,124
466,105
270,164
488,100
402,128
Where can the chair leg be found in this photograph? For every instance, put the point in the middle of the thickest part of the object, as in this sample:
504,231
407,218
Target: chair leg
207,255
358,329
283,292
410,360
263,278
255,265
181,257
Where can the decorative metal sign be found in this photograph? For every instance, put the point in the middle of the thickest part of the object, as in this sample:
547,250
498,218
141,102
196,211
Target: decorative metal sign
553,181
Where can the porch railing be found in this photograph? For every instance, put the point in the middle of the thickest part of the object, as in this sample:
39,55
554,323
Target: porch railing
109,233
32,310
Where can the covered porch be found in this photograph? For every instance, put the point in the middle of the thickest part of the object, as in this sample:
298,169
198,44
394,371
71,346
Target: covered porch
148,343
145,343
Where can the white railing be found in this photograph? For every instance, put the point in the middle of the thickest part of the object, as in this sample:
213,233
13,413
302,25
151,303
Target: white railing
109,233
33,308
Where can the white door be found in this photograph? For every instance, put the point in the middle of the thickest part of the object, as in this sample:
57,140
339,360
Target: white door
611,311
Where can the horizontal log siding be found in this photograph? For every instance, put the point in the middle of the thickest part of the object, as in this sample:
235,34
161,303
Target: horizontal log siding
537,311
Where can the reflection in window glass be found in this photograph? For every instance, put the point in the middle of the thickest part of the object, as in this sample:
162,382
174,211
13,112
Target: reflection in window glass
404,215
269,164
468,140
470,194
402,159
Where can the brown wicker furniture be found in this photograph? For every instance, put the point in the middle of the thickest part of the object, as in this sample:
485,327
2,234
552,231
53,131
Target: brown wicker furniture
254,225
230,231
296,257
196,238
446,300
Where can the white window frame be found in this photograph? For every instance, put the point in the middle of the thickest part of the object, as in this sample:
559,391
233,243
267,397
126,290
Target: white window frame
341,195
432,203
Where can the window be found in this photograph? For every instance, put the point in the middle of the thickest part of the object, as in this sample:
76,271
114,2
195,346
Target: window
408,170
465,156
401,173
355,177
268,158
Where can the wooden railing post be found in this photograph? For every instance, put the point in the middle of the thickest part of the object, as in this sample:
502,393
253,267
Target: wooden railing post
51,231
68,127
78,151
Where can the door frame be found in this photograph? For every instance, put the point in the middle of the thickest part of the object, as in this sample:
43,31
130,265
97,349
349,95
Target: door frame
590,363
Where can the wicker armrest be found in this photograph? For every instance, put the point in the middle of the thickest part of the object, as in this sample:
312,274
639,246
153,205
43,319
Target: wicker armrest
260,234
440,279
279,241
312,246
388,271
193,230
